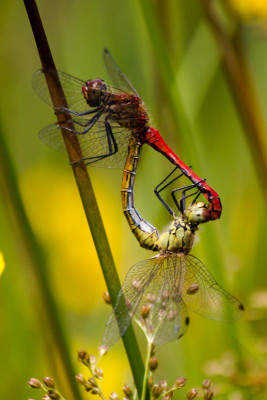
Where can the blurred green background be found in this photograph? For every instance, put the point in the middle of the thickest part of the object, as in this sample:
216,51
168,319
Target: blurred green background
211,138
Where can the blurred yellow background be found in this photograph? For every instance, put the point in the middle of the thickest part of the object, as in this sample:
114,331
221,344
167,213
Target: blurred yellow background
234,356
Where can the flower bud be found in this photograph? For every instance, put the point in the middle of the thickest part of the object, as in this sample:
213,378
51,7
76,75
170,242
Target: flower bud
208,395
180,382
106,297
34,383
92,382
80,379
113,396
191,394
206,384
163,384
49,382
194,288
153,363
46,397
83,356
153,350
98,372
156,391
145,311
102,350
150,382
53,395
127,391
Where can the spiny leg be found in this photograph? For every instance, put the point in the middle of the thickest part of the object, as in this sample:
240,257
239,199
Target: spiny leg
182,206
159,189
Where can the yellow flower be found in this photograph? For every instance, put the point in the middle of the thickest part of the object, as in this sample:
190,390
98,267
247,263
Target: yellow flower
2,263
56,212
249,8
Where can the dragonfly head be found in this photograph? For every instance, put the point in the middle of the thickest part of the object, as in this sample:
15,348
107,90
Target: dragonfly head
198,213
93,92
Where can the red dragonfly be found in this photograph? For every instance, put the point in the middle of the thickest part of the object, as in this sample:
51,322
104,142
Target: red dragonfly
105,117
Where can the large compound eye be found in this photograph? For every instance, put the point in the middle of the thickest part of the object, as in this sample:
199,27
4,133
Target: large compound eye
199,213
93,92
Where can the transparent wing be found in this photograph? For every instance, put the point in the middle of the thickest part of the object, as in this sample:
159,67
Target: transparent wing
149,285
202,294
168,317
72,88
132,292
119,79
95,144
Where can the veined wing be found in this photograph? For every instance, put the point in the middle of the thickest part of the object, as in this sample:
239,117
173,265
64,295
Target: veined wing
95,144
168,316
147,288
119,79
72,88
131,294
202,294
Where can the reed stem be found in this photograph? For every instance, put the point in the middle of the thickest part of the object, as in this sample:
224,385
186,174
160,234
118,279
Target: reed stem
86,191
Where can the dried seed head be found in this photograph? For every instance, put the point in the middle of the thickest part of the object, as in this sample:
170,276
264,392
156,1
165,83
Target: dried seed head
80,379
98,372
156,391
163,384
92,382
49,382
150,382
193,289
34,383
165,295
180,382
153,363
53,395
167,396
137,284
127,391
191,394
83,356
145,311
113,396
171,315
103,350
106,297
208,395
151,298
206,384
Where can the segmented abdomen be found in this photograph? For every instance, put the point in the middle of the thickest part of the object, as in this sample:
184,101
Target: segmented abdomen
145,233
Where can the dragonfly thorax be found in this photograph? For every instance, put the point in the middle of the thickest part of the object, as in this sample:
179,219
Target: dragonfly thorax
179,237
94,92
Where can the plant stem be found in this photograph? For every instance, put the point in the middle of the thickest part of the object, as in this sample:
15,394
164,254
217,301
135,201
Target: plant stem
85,189
244,93
148,355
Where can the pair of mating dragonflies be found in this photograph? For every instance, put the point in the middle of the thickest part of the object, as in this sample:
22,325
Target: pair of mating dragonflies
104,118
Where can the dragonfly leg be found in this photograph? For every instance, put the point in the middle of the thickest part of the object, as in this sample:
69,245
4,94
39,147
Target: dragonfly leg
112,147
88,125
79,114
182,206
159,189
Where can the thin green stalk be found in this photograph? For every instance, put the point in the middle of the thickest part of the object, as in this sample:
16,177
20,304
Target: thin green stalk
148,355
46,306
86,191
244,93
175,104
